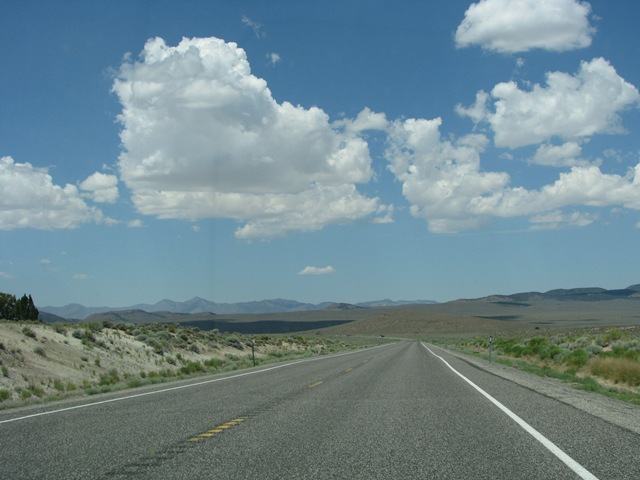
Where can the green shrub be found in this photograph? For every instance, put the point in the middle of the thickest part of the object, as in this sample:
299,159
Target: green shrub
93,327
191,368
213,363
28,332
578,358
61,329
594,349
40,351
233,341
109,378
134,382
535,346
4,394
37,391
58,385
551,352
614,334
164,335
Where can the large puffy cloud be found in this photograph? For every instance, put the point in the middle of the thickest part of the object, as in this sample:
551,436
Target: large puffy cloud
204,138
31,200
444,182
569,106
510,26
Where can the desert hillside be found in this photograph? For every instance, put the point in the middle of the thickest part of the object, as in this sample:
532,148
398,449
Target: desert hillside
51,361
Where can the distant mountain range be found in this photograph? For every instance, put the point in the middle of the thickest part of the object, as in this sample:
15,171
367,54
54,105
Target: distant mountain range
201,305
279,305
572,294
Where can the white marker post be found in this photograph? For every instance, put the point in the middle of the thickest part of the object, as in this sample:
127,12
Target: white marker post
490,347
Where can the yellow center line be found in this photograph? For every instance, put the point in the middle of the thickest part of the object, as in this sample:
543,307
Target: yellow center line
314,385
348,370
218,429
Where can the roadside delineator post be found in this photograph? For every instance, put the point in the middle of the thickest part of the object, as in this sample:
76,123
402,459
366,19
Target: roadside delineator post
253,352
490,347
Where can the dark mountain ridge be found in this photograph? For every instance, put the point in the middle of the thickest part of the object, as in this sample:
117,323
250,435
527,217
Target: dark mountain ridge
591,294
201,305
198,305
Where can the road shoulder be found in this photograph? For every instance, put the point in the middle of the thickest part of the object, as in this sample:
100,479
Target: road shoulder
622,414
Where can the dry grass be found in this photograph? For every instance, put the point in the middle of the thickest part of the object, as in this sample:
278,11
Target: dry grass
617,370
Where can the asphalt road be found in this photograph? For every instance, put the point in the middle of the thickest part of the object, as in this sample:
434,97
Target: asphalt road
396,411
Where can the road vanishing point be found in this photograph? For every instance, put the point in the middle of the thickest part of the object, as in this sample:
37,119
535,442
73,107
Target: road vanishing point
405,410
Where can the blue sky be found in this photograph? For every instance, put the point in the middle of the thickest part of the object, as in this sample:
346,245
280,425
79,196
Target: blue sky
317,151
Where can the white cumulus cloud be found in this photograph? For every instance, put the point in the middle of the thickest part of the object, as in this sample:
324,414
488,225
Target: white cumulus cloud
204,138
510,26
442,179
103,188
568,106
565,155
445,184
308,270
30,199
366,120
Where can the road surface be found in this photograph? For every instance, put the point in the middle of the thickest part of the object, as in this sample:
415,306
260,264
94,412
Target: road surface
403,410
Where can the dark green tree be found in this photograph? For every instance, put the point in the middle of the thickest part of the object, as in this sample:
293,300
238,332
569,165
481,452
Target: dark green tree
33,312
17,309
7,306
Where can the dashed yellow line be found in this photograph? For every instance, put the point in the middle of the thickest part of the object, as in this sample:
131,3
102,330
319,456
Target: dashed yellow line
348,370
314,385
217,430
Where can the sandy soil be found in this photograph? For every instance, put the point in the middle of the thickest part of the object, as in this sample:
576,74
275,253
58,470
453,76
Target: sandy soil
49,362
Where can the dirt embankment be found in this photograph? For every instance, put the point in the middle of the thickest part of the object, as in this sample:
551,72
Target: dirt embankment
40,361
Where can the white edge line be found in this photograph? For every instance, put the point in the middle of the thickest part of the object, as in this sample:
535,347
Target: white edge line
179,387
552,447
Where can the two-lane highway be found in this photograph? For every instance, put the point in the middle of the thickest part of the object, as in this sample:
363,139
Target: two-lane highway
404,410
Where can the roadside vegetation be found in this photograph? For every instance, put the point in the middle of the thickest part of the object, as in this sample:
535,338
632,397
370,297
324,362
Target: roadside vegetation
47,362
606,362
